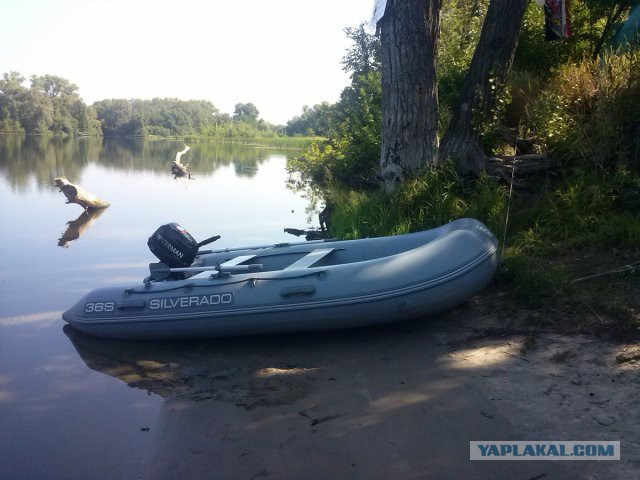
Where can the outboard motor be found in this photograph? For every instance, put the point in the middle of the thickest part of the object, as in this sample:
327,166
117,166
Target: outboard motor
174,246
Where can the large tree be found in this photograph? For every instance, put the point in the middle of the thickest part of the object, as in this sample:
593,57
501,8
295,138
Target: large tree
63,96
408,37
409,30
484,82
246,112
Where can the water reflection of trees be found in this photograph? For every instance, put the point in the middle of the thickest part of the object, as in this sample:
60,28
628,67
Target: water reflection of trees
204,157
23,158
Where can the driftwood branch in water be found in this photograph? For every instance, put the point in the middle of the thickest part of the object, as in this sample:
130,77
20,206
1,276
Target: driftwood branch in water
178,168
76,194
181,153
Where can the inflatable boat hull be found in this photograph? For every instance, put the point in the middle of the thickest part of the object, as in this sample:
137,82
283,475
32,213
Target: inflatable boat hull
302,287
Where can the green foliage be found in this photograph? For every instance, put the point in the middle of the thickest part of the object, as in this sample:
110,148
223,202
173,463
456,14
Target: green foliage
588,113
316,120
350,155
432,199
363,57
584,114
579,211
159,117
532,281
591,28
489,120
246,112
358,117
460,25
50,104
582,210
170,117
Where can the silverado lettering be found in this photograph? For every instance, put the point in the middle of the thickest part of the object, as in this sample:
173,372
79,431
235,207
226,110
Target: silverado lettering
191,301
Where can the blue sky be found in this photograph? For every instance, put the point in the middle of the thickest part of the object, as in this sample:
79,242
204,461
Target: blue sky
280,55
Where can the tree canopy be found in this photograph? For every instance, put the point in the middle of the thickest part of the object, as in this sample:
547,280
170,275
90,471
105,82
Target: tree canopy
555,96
246,112
49,104
52,104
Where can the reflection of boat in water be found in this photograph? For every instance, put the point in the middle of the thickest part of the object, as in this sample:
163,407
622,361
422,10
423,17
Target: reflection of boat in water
156,368
305,286
236,372
75,228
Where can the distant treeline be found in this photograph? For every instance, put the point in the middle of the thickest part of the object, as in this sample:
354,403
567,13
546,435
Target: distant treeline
51,104
316,120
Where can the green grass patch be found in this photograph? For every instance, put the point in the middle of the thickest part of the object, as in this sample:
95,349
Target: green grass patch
435,198
552,219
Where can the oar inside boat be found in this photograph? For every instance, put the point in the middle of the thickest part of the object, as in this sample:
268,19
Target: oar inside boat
161,271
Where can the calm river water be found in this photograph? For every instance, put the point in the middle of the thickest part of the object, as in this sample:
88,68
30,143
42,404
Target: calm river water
75,407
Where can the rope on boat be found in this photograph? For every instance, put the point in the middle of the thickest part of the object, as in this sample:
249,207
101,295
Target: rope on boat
506,221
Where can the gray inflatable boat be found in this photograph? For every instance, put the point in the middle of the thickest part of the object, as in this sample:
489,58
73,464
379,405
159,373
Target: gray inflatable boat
294,287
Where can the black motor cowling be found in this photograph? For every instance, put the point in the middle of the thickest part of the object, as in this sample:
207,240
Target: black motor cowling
173,245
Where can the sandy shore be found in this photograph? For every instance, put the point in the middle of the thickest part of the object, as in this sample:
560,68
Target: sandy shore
400,401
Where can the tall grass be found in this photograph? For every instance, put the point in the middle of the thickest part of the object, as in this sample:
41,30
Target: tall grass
585,209
586,114
577,211
434,198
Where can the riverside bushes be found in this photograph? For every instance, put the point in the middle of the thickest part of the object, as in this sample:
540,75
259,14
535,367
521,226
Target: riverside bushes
588,113
580,113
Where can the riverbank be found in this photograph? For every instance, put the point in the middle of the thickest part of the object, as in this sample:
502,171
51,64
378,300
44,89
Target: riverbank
400,400
279,142
568,244
275,141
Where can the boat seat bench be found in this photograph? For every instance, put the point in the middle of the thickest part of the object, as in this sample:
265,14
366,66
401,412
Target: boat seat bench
310,258
307,261
225,265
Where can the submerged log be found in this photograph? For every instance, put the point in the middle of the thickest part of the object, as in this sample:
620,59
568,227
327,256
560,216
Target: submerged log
76,194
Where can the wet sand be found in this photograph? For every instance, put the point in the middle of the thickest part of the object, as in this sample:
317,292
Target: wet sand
399,401
363,405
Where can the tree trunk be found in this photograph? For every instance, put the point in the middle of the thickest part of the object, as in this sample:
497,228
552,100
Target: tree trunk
487,74
76,194
408,38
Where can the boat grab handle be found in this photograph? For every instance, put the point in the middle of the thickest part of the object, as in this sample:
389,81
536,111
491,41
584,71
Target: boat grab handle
131,305
298,291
